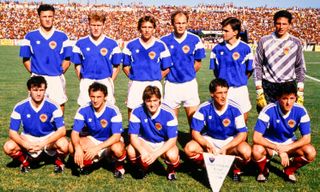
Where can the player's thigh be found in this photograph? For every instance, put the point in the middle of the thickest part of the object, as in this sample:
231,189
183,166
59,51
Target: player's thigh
243,149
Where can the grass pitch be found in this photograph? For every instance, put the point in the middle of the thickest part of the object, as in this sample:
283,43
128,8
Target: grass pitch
13,78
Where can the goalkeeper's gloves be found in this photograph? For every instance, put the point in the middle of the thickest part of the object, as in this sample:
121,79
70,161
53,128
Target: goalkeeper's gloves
261,100
300,98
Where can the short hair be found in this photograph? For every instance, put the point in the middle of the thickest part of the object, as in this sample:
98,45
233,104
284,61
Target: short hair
36,81
45,7
179,12
147,18
217,82
234,23
97,16
149,91
287,88
282,13
98,87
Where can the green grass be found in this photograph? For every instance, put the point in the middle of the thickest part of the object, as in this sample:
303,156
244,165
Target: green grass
13,89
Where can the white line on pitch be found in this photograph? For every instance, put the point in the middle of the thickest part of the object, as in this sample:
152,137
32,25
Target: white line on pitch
315,79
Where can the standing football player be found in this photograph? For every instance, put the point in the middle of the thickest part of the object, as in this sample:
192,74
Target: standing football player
153,130
146,61
46,51
274,134
186,51
43,128
232,60
279,59
97,59
104,127
218,127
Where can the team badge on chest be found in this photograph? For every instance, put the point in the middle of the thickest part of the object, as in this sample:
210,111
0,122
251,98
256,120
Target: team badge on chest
152,55
103,123
226,122
286,50
52,44
103,51
158,126
235,56
43,118
291,123
186,49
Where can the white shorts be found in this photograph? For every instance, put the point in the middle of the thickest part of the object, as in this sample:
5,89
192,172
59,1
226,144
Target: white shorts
177,93
84,98
34,139
217,142
287,142
240,95
56,89
135,92
154,146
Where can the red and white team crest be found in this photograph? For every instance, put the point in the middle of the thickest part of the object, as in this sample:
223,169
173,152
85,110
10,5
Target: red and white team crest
235,56
152,55
158,126
43,118
103,51
286,50
226,122
52,44
103,123
291,123
186,49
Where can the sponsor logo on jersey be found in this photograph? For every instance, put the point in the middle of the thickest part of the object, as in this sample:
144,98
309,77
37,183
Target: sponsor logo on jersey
103,123
43,118
186,49
158,126
291,123
235,56
152,55
286,50
52,44
226,122
103,51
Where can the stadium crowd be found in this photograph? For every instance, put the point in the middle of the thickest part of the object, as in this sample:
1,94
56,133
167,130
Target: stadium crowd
17,19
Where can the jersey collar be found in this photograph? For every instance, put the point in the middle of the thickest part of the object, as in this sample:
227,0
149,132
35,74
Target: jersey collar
286,37
147,46
280,111
156,114
223,110
97,42
230,47
180,40
46,36
98,114
37,109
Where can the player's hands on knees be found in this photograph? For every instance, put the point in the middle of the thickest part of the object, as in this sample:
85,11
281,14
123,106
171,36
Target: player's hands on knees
284,159
211,149
91,152
151,158
78,156
283,148
261,100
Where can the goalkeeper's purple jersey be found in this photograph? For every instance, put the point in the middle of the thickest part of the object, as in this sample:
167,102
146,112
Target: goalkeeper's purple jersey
100,125
96,58
162,126
184,52
232,63
278,127
219,124
37,122
46,51
146,62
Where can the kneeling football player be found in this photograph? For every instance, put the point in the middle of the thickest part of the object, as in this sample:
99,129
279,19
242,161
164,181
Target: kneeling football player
153,130
104,127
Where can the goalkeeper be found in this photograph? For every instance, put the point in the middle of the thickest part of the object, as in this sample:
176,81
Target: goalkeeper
279,59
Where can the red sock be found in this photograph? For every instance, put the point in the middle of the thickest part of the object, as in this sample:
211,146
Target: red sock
21,157
59,159
238,165
120,161
172,166
295,165
87,162
198,159
261,164
142,164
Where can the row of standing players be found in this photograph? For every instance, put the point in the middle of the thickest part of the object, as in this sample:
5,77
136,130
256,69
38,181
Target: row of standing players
153,129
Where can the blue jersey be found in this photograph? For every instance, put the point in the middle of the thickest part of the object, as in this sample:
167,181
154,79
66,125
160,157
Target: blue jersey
96,58
100,125
162,126
183,53
277,127
37,122
46,51
219,124
232,63
146,62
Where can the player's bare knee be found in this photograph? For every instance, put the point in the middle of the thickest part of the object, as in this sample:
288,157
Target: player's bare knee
190,148
71,149
258,151
118,148
310,152
62,145
9,147
173,154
